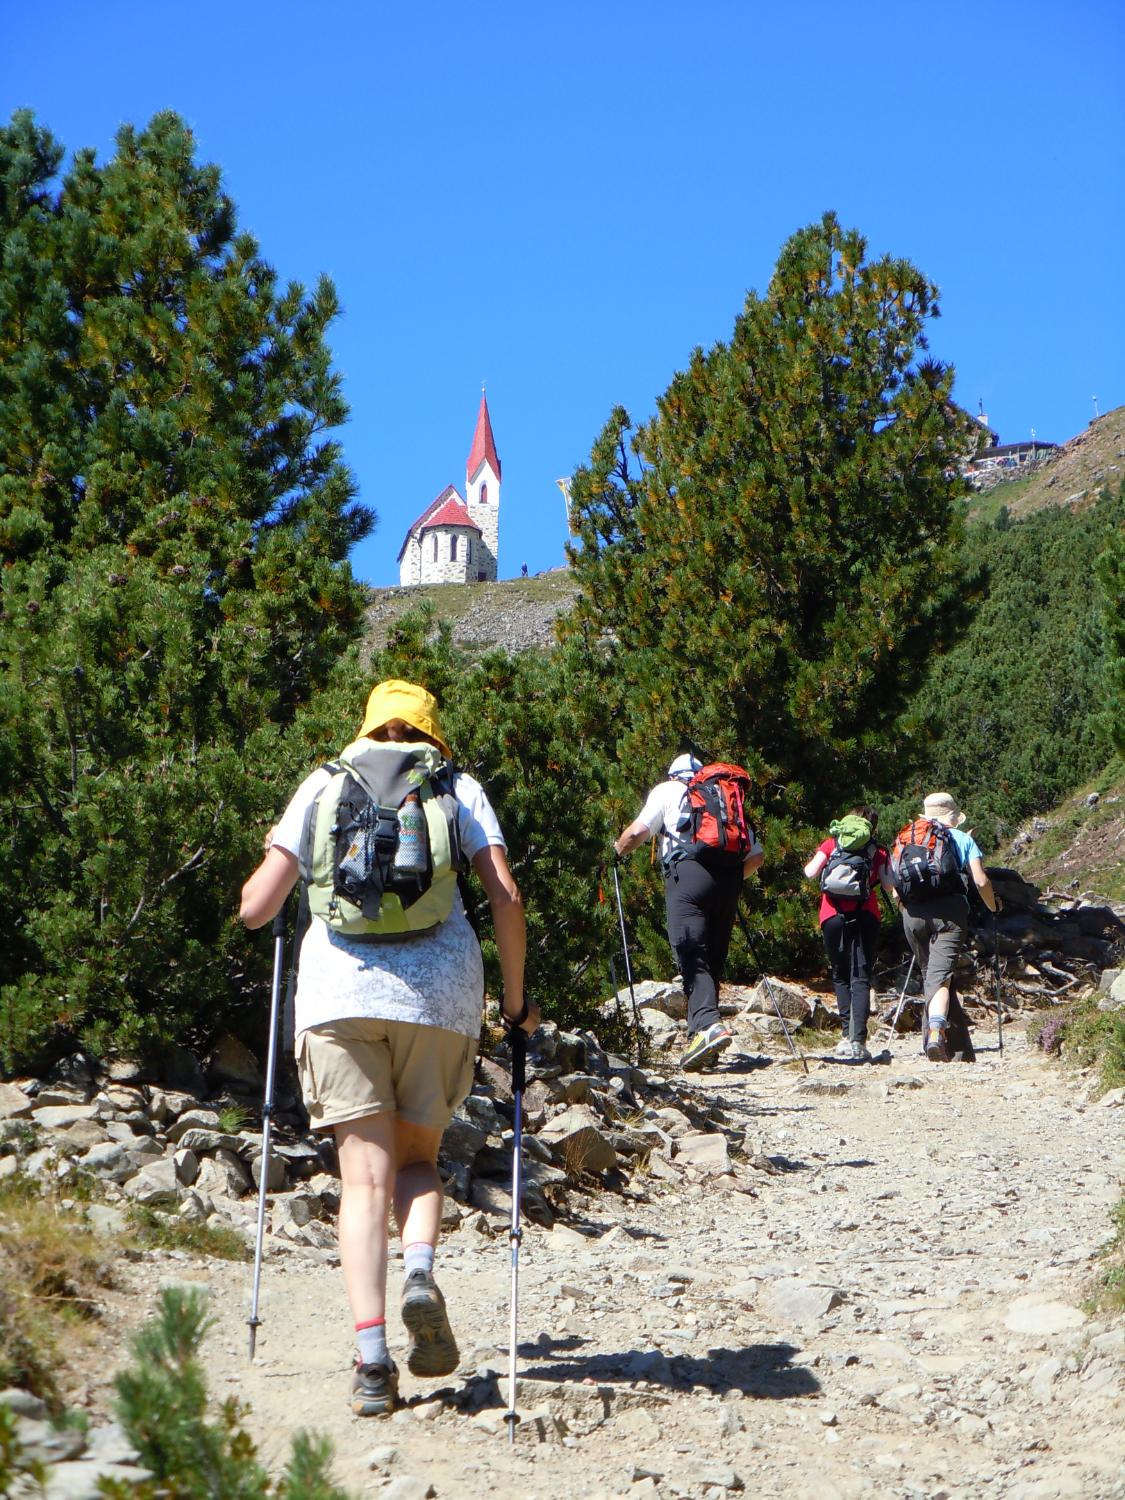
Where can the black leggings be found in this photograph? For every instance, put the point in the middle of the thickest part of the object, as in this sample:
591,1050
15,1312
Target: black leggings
701,904
851,942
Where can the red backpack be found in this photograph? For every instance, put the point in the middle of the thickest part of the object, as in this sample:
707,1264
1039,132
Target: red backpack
925,864
714,821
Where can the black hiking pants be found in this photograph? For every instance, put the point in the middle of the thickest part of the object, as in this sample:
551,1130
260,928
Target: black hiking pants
700,902
851,941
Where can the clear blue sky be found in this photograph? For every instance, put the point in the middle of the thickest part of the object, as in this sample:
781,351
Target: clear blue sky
563,200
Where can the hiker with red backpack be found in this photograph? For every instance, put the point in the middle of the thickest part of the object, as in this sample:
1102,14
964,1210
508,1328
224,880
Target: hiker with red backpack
390,986
929,858
851,865
707,849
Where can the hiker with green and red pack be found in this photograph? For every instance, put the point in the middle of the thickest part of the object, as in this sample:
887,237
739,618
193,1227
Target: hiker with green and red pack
707,849
929,859
851,864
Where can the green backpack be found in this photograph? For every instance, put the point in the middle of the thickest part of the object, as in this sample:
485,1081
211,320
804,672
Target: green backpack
380,853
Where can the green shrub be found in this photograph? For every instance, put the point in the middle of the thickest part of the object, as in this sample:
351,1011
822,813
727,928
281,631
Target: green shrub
162,1404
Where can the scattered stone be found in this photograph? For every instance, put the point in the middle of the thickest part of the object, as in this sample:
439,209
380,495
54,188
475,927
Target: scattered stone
1034,1315
707,1153
796,1301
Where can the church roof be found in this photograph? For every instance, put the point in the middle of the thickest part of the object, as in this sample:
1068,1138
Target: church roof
452,513
448,509
484,444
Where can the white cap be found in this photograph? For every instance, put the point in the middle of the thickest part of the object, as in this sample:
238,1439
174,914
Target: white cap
684,767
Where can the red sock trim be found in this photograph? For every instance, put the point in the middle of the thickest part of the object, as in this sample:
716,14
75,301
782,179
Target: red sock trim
371,1323
417,1245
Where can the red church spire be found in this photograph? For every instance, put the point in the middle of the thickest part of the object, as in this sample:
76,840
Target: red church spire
484,444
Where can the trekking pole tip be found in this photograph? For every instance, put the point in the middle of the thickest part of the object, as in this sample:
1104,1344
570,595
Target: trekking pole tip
511,1417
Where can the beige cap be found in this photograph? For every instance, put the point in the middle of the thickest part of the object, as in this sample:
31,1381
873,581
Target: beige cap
943,808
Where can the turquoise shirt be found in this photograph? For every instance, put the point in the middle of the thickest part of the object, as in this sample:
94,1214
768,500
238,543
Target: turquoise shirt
966,846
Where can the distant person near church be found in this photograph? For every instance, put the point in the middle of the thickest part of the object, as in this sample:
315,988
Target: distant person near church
702,883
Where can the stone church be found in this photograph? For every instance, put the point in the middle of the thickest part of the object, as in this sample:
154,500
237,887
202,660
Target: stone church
456,540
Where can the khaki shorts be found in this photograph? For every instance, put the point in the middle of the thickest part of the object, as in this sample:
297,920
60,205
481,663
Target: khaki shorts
349,1069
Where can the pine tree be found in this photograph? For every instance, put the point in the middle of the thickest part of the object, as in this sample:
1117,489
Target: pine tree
1111,577
769,561
174,522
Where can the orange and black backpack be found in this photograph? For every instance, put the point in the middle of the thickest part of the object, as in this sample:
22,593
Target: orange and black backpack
925,863
714,826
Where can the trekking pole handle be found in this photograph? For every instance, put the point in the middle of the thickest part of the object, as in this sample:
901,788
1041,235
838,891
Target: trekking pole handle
518,1039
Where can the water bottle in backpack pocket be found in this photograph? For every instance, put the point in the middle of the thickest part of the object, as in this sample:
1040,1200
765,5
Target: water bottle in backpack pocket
412,855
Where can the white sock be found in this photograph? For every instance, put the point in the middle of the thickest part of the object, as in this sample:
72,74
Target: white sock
371,1342
418,1257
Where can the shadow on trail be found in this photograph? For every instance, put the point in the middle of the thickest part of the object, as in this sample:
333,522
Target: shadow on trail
765,1371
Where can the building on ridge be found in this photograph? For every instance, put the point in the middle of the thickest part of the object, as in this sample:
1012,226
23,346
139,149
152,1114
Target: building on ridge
457,540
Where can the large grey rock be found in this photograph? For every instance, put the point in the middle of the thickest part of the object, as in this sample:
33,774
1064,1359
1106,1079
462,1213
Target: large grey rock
14,1103
224,1174
1039,1317
196,1138
83,1134
192,1119
155,1185
652,995
109,1161
187,1165
707,1153
276,1179
796,1301
233,1064
59,1116
793,1003
578,1141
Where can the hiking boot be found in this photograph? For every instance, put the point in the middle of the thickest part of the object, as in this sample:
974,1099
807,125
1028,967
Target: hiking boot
936,1048
433,1349
375,1389
859,1052
843,1051
704,1047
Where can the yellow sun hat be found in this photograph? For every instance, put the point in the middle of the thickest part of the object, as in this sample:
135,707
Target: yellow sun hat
394,699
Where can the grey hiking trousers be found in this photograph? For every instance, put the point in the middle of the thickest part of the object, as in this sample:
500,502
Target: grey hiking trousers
936,933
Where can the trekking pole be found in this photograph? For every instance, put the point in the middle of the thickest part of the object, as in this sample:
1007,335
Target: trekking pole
625,951
254,1321
515,1233
902,997
797,1054
996,980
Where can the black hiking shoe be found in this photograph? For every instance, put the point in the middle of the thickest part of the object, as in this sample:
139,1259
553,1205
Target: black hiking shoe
704,1047
375,1389
433,1349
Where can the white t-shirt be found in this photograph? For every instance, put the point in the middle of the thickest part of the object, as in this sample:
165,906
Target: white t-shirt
665,805
433,980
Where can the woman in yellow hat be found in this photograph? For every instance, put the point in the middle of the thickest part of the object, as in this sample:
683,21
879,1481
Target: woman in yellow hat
386,1040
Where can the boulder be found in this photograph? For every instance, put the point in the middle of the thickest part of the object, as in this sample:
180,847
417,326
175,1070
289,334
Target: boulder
707,1153
462,1140
155,1185
110,1161
14,1103
793,1003
233,1065
796,1301
192,1119
578,1141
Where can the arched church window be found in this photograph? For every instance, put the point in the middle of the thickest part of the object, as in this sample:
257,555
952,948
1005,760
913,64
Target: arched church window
452,549
484,493
435,546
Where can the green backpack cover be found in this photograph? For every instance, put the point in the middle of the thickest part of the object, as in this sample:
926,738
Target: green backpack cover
351,839
851,832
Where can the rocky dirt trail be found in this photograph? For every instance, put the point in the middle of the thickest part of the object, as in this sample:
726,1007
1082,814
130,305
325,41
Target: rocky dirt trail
893,1309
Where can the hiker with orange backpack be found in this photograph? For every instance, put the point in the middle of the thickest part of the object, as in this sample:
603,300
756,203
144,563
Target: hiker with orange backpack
851,865
928,860
707,849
